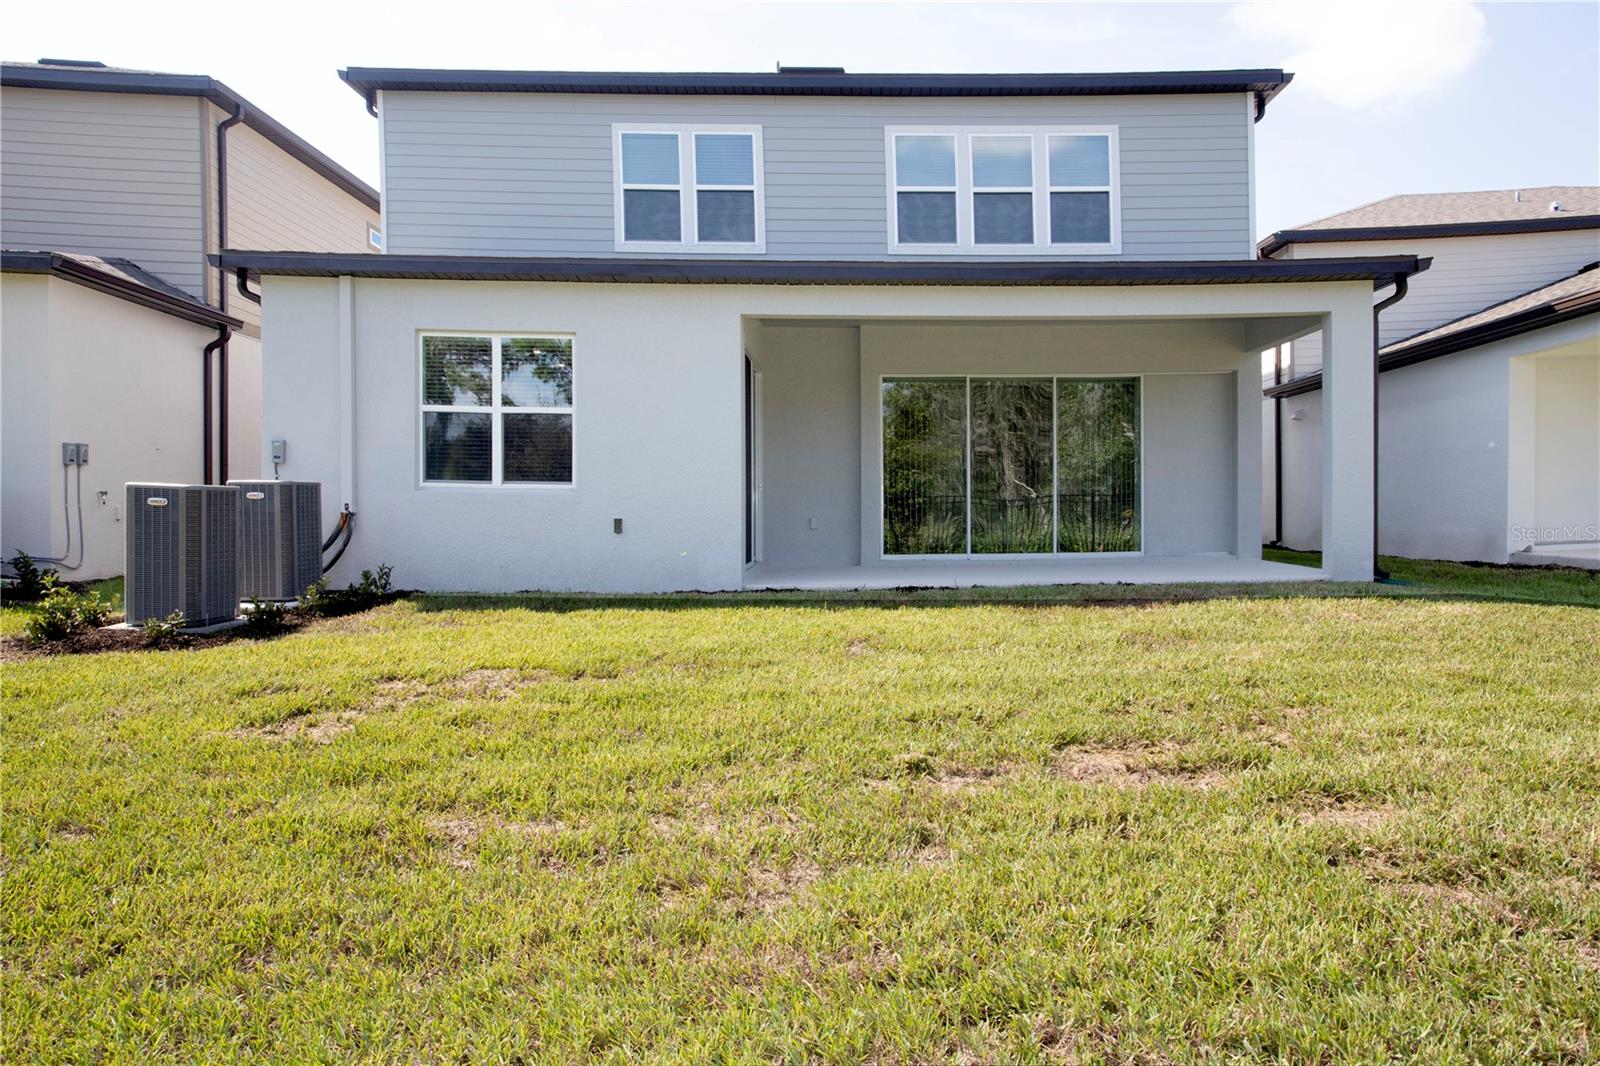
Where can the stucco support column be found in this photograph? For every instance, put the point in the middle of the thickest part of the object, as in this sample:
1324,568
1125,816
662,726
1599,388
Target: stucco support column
1347,423
1247,461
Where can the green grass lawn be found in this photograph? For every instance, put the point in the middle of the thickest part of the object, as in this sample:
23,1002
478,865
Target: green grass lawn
1312,824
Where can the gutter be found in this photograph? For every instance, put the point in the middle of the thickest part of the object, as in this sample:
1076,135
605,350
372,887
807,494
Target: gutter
222,299
221,343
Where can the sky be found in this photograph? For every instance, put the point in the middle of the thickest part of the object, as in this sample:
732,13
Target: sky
1389,97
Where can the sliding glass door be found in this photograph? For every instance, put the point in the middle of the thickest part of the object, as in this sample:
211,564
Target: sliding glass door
1010,465
925,466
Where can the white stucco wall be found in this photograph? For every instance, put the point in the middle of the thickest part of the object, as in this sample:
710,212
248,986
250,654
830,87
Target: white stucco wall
1450,444
79,365
658,436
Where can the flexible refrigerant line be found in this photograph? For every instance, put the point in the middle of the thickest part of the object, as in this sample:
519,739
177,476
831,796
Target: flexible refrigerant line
66,520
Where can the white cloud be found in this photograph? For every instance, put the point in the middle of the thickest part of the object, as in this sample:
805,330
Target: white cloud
1360,53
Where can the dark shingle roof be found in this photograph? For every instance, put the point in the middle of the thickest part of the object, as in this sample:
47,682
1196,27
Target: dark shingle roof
1454,208
1451,214
80,78
118,277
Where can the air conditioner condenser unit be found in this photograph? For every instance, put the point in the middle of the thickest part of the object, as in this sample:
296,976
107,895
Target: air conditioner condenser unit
182,553
280,538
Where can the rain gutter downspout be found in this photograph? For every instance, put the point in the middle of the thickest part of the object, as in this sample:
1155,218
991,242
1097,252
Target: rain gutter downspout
223,333
1400,285
222,298
1277,451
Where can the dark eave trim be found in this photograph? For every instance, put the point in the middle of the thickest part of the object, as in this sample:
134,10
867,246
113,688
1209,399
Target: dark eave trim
1265,83
1380,271
1401,355
92,80
72,270
1276,242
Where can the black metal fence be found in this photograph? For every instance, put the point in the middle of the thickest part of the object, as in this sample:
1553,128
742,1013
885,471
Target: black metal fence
935,524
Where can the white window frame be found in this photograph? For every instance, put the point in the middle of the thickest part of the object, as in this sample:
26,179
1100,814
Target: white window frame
1042,188
495,410
1032,190
687,190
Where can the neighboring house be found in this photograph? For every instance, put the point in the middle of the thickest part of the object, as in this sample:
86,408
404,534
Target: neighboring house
637,332
1489,442
115,186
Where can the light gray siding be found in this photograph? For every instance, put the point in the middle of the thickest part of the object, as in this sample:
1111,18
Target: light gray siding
1467,275
531,174
109,174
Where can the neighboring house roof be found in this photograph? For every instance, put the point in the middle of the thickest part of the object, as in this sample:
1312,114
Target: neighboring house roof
1381,271
120,278
79,77
815,81
1451,214
1571,297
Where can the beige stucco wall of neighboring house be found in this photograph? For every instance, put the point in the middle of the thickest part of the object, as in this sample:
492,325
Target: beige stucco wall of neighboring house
1566,494
77,365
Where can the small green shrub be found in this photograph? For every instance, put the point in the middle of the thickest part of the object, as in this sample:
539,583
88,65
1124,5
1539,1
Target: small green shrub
30,582
63,612
265,618
375,587
159,631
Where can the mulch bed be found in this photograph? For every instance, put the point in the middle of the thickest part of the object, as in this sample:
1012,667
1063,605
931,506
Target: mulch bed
15,649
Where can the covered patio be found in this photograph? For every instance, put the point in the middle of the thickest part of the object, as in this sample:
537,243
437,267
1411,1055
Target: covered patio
963,451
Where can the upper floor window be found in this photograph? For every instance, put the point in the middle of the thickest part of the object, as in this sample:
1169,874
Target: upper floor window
689,189
1004,191
496,409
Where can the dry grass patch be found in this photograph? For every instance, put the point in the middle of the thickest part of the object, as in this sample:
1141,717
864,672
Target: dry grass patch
460,835
1130,767
1360,817
769,889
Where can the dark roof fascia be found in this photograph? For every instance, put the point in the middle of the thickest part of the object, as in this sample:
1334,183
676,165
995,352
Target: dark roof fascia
1403,355
89,79
1380,271
1276,242
80,273
1264,83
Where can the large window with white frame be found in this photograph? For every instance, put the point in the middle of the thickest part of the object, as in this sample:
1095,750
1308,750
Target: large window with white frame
1015,465
689,188
496,409
1004,191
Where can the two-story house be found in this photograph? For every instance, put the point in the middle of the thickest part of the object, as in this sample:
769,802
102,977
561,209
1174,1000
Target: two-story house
636,332
1489,400
116,332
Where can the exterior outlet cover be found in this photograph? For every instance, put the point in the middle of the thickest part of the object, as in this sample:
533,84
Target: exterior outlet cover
616,525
